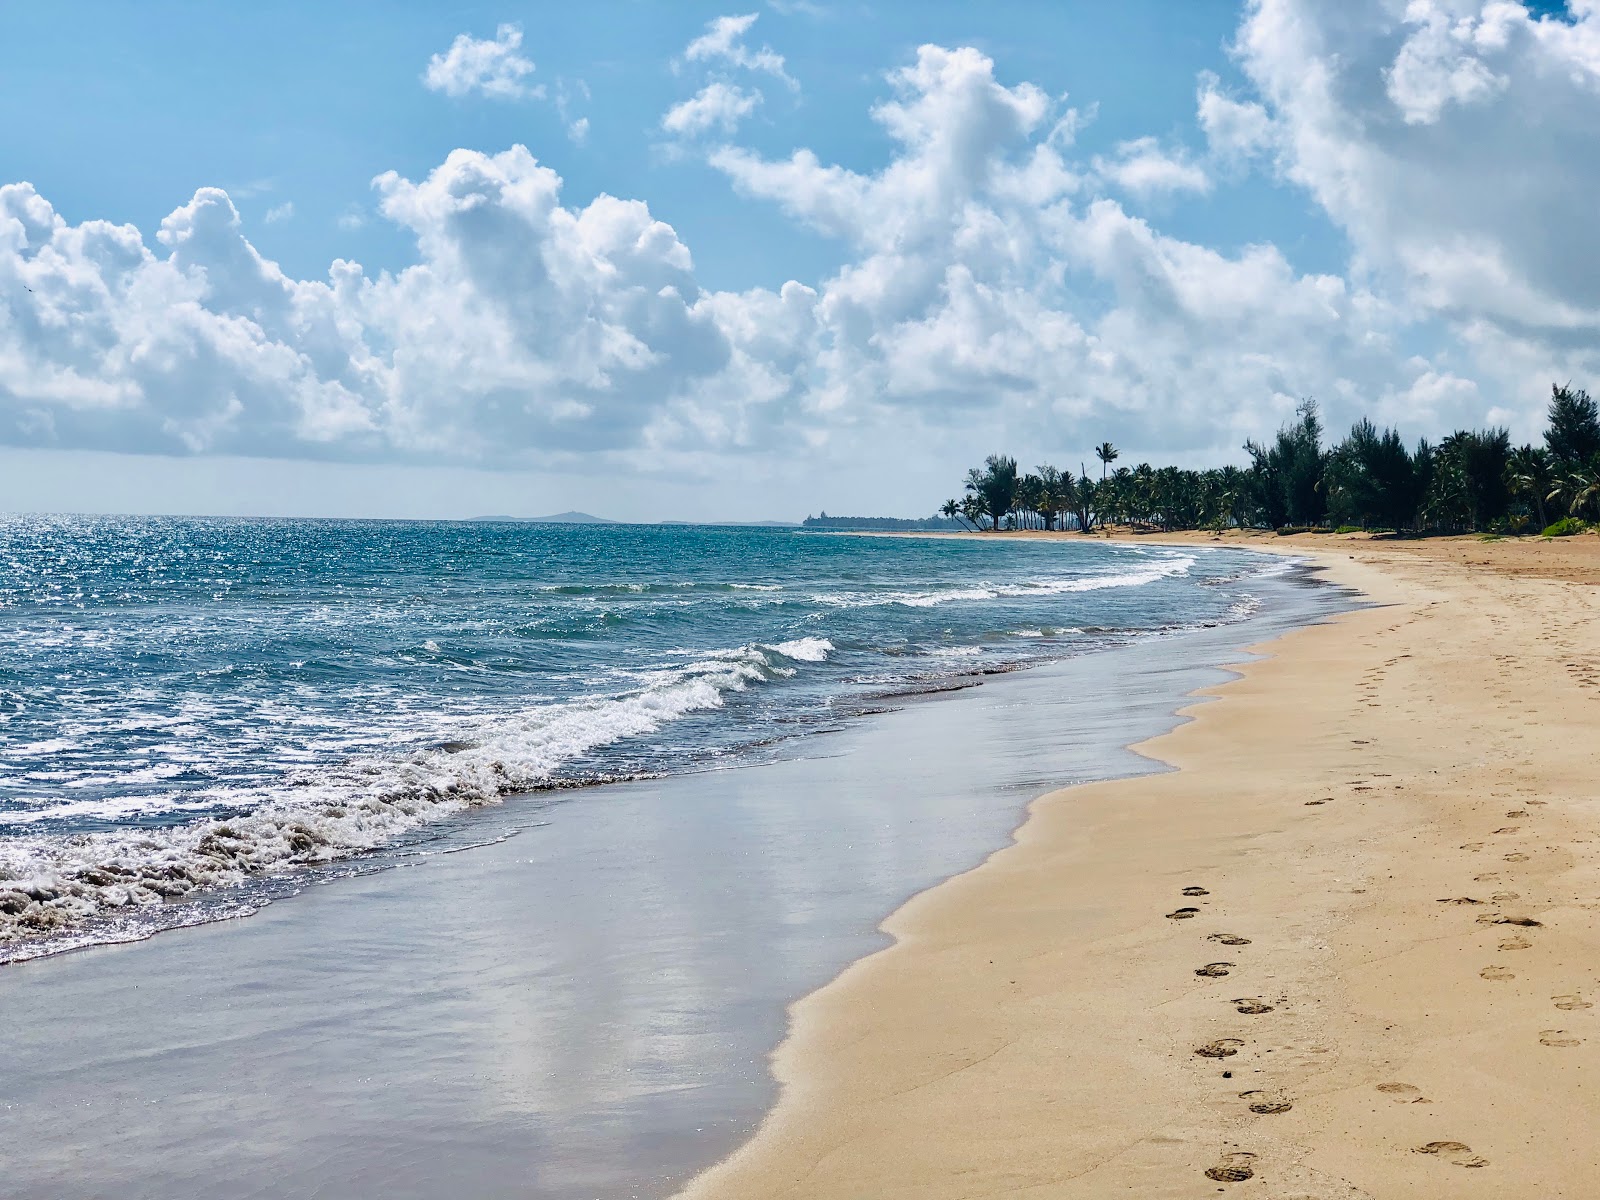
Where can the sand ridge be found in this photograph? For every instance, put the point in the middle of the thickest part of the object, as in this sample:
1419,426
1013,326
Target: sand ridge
1378,858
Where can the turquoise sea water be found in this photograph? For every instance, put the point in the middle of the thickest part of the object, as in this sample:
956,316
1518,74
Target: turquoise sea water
191,706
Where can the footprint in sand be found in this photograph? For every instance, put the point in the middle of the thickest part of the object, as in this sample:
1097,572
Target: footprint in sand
1504,897
1558,1037
1252,1007
1324,800
1221,1048
1508,829
1234,1168
1229,939
1213,970
1459,900
1570,1003
1267,1103
1517,812
1501,919
1195,891
1516,943
1183,914
1516,856
1458,1153
1401,1093
1495,974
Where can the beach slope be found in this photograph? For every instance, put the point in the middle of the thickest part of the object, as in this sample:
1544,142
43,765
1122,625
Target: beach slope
1349,948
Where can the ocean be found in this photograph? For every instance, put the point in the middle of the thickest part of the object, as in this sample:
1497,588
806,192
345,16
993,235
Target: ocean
197,715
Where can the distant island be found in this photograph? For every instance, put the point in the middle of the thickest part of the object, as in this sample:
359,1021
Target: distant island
926,524
564,518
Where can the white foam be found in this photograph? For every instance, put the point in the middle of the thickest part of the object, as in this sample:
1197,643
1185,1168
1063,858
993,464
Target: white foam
1165,567
806,649
49,885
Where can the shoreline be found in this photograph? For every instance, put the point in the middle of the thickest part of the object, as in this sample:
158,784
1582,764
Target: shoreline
1034,1028
448,1023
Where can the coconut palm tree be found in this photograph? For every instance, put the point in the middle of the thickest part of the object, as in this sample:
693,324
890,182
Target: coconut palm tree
1050,498
1580,490
1530,474
954,510
1107,454
995,485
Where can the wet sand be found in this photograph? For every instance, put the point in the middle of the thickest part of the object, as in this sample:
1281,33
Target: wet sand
585,1009
1350,948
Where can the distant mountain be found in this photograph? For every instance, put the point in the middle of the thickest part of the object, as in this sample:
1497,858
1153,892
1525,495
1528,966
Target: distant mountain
565,518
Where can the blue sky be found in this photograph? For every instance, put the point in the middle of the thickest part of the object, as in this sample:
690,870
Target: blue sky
129,108
1215,239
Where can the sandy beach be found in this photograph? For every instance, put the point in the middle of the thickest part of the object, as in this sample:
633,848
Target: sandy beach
1350,948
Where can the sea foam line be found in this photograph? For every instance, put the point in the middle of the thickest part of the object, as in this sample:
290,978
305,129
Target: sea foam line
51,886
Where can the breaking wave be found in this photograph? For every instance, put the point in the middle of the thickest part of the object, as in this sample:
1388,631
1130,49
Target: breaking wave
49,884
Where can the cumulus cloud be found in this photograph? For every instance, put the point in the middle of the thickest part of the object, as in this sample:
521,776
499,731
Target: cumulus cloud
1439,63
723,42
491,67
988,280
717,105
280,212
1457,147
1234,129
1143,168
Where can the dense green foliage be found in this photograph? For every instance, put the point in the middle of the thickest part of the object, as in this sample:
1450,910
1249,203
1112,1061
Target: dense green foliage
1473,480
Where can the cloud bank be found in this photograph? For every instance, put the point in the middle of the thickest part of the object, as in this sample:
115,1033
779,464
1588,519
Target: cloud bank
996,281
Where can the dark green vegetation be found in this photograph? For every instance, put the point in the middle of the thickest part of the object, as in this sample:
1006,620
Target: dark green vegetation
1473,480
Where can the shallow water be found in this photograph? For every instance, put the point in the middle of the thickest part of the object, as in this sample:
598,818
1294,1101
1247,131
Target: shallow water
582,1008
193,710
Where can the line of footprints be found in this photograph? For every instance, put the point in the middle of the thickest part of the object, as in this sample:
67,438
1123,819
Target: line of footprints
1237,1166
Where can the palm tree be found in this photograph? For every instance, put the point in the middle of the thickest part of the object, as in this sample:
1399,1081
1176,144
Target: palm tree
1580,489
1530,473
1050,494
1107,454
954,510
995,486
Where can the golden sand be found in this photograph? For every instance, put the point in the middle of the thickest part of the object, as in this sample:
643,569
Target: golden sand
1349,949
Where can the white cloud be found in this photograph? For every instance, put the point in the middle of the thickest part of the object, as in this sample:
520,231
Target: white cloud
988,282
1438,65
1143,168
1457,148
723,41
494,67
1234,129
352,218
567,97
717,105
280,212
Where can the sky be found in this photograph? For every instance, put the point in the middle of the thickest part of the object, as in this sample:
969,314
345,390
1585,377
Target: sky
693,261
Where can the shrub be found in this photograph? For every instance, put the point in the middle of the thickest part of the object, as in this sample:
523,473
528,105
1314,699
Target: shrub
1565,527
1349,529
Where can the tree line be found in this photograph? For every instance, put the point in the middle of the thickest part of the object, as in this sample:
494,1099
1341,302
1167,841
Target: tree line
1472,480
